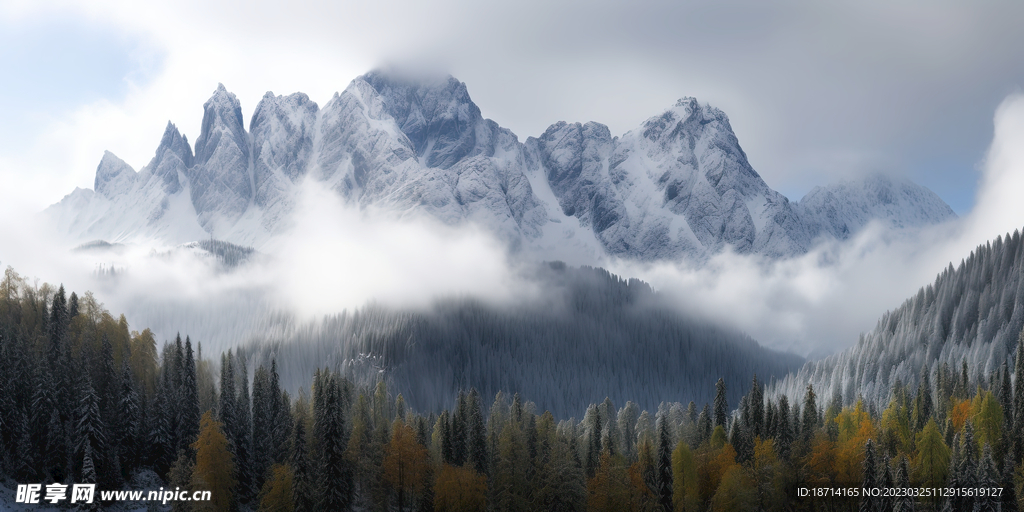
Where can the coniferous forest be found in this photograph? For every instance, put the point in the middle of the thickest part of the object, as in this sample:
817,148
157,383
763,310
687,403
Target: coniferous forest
86,399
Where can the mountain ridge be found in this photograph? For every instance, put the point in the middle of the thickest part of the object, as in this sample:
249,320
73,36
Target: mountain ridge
677,187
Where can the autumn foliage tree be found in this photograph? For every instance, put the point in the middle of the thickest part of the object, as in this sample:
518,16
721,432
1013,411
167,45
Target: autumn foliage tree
405,462
215,466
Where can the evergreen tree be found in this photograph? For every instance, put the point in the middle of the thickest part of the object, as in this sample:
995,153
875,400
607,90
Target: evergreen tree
592,425
262,424
460,417
704,425
335,481
987,478
810,417
905,502
303,491
227,407
664,465
868,503
281,409
128,421
626,419
188,399
756,404
785,430
90,433
477,433
885,481
721,404
243,440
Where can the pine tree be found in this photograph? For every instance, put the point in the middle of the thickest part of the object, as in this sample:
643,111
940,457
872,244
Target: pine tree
756,409
868,503
189,399
626,419
477,434
704,424
721,404
592,420
335,480
904,503
303,491
785,434
262,424
90,433
458,427
885,480
243,440
664,463
281,410
227,407
988,478
810,417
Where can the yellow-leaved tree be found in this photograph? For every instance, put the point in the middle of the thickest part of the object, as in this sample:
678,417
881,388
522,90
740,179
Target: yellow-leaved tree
277,494
460,490
405,462
215,466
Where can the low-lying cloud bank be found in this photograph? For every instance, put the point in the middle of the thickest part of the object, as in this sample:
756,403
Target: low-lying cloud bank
337,257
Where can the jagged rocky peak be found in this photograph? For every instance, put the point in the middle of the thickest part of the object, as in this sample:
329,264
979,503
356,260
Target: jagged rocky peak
113,176
222,116
282,131
436,114
221,187
173,158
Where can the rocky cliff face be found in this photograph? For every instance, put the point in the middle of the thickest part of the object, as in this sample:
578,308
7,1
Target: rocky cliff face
677,187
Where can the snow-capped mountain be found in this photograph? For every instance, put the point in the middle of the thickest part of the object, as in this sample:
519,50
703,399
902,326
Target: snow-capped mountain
678,186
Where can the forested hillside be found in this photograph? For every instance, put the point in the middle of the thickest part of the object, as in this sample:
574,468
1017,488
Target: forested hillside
85,400
588,335
971,313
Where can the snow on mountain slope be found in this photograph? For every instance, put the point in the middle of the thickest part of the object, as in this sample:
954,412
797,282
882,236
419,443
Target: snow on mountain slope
846,207
677,187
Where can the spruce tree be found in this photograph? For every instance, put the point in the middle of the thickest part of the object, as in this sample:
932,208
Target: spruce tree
721,404
227,398
188,399
262,424
477,434
664,465
335,481
704,425
987,478
460,417
905,502
756,405
303,491
243,440
128,421
90,433
869,503
810,417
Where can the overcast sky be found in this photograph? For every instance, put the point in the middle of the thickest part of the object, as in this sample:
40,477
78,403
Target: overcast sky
815,91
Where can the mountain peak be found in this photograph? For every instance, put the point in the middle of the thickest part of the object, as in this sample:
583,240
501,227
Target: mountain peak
113,176
435,113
